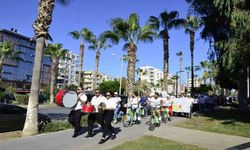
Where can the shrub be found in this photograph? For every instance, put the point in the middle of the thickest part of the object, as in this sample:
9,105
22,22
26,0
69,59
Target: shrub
2,94
10,90
61,125
22,99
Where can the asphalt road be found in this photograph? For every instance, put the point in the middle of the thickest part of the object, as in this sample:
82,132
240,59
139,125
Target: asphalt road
63,140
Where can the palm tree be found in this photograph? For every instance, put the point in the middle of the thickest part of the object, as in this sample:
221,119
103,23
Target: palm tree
180,55
56,52
204,66
131,32
97,44
7,52
166,22
85,35
192,24
41,28
175,78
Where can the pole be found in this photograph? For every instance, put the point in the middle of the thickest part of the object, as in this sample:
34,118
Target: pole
248,82
120,88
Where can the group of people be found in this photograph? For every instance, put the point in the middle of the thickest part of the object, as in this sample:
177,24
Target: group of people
104,109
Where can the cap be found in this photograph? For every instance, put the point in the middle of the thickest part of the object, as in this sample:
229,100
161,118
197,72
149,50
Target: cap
115,93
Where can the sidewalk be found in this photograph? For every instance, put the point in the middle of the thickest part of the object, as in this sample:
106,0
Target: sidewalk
208,140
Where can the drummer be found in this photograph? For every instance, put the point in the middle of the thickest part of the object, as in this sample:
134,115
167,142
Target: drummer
82,98
111,104
95,116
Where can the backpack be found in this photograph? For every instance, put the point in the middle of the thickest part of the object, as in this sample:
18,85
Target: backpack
143,101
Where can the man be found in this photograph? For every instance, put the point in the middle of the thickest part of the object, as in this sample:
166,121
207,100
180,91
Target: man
134,102
82,98
96,115
111,104
118,112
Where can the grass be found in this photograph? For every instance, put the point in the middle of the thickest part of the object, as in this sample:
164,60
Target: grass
222,120
154,143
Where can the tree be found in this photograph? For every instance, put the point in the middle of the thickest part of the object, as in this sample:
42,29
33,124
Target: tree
205,67
7,52
109,86
97,44
41,28
180,55
131,33
192,24
56,52
165,22
85,35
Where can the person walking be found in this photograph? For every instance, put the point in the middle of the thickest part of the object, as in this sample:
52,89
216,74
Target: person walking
118,112
81,99
111,104
96,101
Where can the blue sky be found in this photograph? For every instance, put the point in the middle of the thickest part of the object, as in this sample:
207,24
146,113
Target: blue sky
94,15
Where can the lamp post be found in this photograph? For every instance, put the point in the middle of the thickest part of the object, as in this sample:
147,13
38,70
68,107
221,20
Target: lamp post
120,87
176,92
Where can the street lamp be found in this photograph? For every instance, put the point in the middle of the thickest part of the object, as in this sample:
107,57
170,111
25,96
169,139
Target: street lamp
176,82
121,58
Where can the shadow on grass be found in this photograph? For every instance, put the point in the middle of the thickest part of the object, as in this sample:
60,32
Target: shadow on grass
240,147
229,116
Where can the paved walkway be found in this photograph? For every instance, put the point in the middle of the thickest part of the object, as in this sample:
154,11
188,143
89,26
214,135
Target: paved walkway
63,141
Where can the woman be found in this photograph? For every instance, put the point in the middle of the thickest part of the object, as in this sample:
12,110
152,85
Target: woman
108,117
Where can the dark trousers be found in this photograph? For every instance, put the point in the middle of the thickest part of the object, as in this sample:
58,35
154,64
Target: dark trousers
78,116
108,117
91,120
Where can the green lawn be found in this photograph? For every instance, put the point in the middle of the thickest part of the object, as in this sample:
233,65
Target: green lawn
222,120
154,143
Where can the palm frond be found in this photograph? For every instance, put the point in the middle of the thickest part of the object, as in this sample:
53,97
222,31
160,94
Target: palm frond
126,46
74,34
154,22
133,22
113,37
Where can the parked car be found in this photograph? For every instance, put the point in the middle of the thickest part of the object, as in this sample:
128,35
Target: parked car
13,117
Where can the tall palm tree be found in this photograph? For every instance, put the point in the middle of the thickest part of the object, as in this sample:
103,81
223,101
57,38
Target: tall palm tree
180,55
192,24
131,33
7,52
41,28
85,35
97,44
56,52
175,79
165,22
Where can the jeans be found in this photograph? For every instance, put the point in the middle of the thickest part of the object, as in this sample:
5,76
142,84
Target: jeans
118,113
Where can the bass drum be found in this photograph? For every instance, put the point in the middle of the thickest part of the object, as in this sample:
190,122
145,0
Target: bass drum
66,99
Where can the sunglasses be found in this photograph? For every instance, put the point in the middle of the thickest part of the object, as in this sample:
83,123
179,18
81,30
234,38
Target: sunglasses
108,95
97,92
78,89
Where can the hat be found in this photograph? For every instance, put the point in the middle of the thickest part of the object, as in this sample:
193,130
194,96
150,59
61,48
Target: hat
115,93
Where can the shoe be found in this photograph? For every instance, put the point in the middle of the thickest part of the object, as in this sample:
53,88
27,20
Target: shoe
88,136
113,136
74,135
101,141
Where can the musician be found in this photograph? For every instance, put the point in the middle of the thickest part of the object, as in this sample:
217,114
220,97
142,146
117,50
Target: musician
82,98
111,104
96,115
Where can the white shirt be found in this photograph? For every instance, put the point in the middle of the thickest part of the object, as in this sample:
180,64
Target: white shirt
117,99
134,102
111,103
155,102
82,98
97,100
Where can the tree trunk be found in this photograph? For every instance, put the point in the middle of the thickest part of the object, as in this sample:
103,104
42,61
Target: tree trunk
165,61
97,59
52,79
131,68
180,70
192,35
81,64
242,88
41,28
31,122
188,80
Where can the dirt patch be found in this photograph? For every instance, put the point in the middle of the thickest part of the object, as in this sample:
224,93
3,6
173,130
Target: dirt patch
10,135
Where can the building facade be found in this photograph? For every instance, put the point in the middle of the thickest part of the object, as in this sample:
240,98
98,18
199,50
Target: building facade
89,79
68,70
19,74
